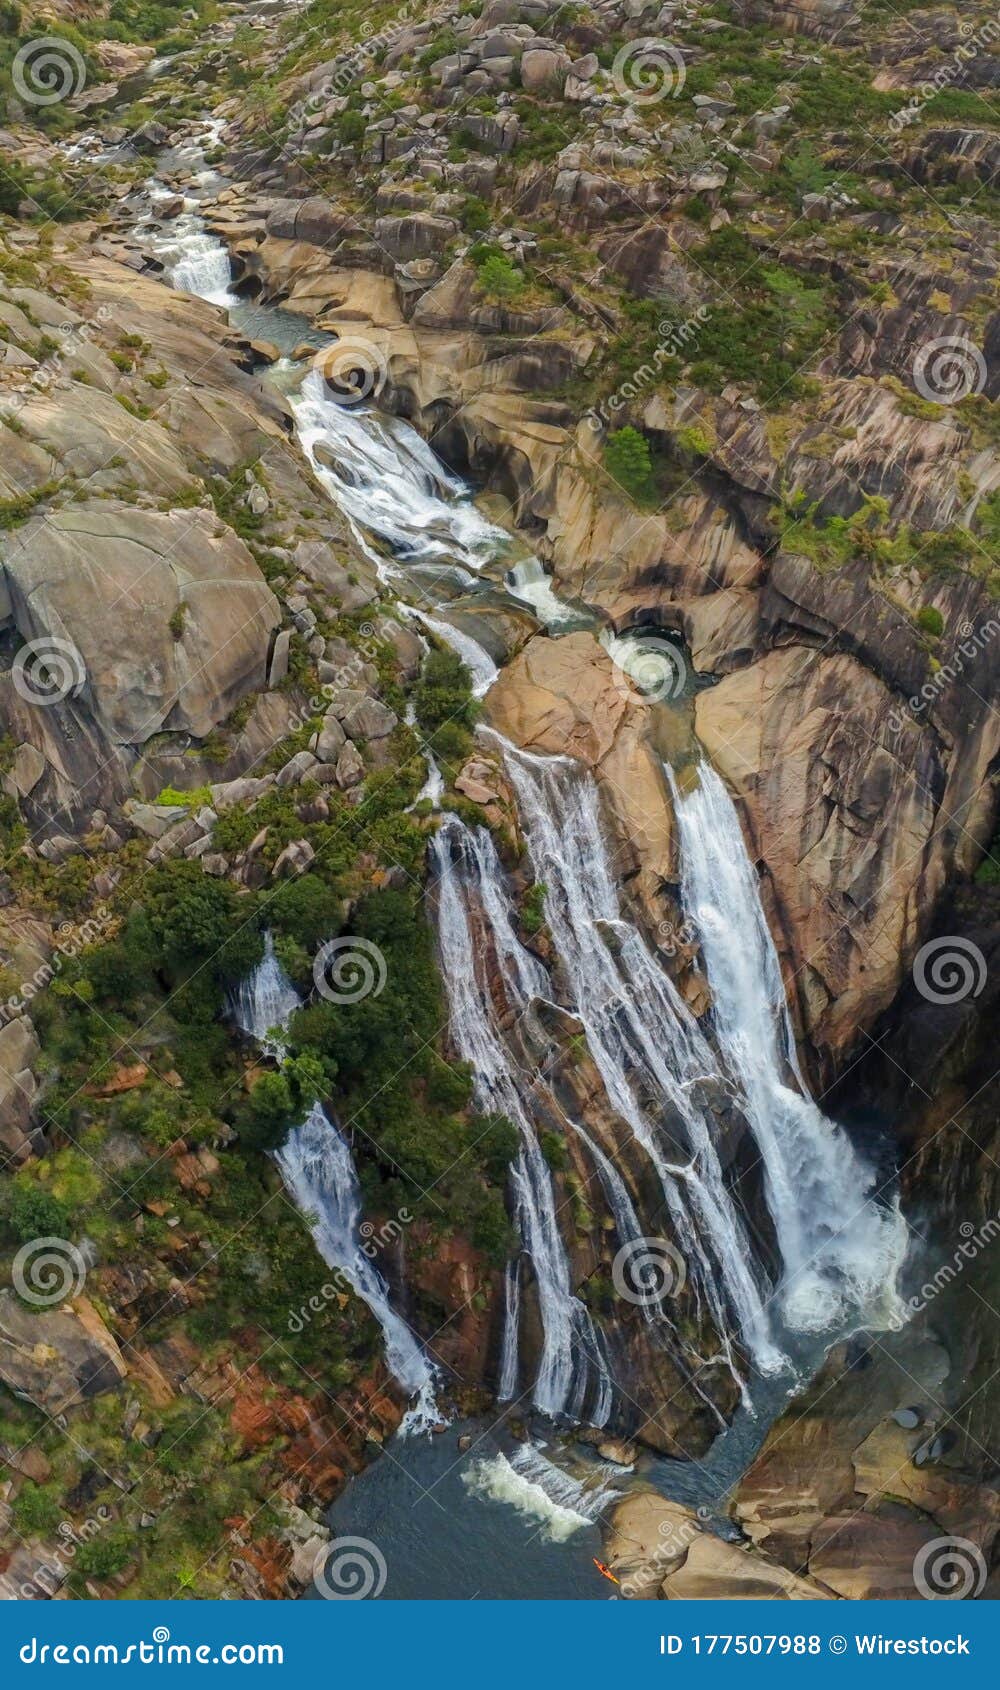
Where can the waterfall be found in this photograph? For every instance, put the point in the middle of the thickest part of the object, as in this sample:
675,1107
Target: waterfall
475,917
646,1044
318,1170
556,1501
663,1075
195,261
264,1000
475,657
841,1251
201,265
389,483
509,1358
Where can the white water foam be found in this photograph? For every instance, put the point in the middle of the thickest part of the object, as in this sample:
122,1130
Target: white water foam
318,1170
644,1040
474,914
537,1489
841,1250
387,480
195,261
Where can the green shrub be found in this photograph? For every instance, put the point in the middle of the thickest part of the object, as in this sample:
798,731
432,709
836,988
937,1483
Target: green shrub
627,460
533,908
36,1511
500,279
930,620
102,1556
476,217
553,1148
443,693
351,126
29,1211
193,799
279,1101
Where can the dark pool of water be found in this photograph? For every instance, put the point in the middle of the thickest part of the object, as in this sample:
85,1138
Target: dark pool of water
286,329
442,1541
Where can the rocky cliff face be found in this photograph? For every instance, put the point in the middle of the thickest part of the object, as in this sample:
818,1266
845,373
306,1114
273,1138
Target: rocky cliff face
762,543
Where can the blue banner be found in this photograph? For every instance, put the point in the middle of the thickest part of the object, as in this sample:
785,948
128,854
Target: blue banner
510,1644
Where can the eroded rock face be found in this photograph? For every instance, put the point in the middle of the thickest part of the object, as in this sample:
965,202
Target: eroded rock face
19,1052
843,1491
198,611
714,1570
662,1550
851,897
57,1358
566,698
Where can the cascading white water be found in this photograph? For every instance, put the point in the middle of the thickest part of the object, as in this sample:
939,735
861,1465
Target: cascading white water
841,1250
510,1361
645,1042
318,1171
264,1001
476,659
196,261
200,264
559,1503
531,583
387,480
470,881
652,1056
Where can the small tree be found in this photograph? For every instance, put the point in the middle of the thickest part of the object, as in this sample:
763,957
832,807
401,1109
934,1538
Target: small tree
627,459
247,45
31,1212
500,279
444,692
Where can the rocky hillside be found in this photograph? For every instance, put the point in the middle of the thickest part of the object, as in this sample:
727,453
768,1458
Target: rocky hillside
761,241
703,298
